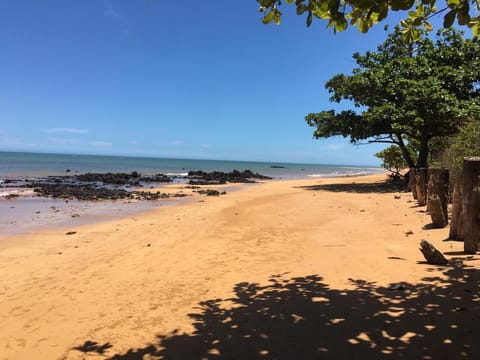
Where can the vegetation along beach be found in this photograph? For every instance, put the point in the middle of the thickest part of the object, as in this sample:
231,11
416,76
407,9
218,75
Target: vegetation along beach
191,182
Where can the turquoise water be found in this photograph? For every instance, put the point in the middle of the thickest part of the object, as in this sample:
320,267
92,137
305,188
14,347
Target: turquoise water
14,164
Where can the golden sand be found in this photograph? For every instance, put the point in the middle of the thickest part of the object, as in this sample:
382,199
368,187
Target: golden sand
285,269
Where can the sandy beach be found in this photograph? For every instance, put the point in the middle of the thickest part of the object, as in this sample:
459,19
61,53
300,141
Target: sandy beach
297,269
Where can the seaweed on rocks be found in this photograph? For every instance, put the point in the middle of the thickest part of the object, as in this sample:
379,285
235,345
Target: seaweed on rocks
210,192
220,178
89,192
113,186
134,178
80,192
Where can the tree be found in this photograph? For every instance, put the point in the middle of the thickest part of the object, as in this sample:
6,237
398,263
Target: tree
405,93
465,143
392,160
366,13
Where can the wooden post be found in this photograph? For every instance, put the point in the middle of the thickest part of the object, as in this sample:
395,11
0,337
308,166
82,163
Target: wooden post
437,197
471,204
456,223
411,183
421,186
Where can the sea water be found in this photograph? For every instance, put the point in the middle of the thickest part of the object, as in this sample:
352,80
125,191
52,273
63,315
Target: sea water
28,213
17,164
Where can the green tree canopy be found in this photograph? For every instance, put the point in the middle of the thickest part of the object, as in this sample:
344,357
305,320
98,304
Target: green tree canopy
404,93
392,160
365,13
465,143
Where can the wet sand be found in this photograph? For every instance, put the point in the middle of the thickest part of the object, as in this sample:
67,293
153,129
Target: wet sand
301,269
28,214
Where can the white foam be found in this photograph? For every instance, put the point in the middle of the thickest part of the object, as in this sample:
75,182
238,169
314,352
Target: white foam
20,192
177,174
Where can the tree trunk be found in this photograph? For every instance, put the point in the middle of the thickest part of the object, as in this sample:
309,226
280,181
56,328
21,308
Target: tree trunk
421,186
437,196
405,153
411,182
471,204
422,161
456,223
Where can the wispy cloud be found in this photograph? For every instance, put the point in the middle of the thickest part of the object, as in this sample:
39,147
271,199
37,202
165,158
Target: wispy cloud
65,141
176,142
67,130
8,142
205,146
101,143
110,11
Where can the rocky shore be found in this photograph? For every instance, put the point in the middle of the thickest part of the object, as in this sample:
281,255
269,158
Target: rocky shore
117,186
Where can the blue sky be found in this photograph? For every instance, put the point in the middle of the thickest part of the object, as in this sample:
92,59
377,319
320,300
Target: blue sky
196,79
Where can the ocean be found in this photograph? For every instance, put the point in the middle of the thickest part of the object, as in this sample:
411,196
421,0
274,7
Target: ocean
28,213
19,164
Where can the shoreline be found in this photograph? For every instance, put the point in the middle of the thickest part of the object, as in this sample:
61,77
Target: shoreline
28,214
130,286
24,212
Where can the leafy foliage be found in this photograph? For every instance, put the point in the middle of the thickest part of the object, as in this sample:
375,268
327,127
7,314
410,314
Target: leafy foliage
410,93
466,143
365,13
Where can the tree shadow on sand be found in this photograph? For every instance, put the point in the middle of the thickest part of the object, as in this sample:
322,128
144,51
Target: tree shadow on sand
302,318
385,187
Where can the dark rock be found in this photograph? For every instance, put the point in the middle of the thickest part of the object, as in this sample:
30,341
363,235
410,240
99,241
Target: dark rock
431,254
107,178
71,233
210,192
156,178
80,192
219,178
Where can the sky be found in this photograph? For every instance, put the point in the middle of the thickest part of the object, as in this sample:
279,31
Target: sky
158,78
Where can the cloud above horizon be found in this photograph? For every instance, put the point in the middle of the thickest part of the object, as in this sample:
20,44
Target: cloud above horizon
101,143
8,142
67,130
68,141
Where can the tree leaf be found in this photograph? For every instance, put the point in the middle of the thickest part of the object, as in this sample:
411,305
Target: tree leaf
301,8
268,17
309,18
341,24
449,18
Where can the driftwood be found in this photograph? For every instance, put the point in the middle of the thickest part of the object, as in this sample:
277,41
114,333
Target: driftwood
421,186
456,223
437,191
471,204
431,254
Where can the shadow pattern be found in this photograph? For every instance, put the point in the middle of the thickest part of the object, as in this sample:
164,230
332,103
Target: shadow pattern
384,187
93,347
302,318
